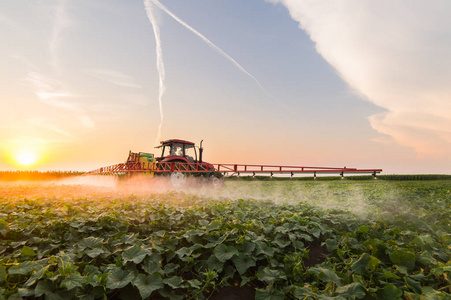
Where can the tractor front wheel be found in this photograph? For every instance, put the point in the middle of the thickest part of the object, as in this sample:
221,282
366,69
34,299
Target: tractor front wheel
178,179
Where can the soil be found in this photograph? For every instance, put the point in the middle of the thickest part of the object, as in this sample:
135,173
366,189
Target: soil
234,293
317,255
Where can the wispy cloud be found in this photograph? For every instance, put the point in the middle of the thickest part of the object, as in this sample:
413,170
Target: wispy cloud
114,77
396,54
160,62
212,45
61,22
53,93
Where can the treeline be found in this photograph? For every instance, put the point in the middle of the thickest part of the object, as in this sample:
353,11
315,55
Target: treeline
36,175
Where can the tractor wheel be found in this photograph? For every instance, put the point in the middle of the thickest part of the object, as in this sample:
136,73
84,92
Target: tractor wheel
216,182
178,179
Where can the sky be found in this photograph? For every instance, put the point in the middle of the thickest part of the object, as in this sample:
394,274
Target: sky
361,84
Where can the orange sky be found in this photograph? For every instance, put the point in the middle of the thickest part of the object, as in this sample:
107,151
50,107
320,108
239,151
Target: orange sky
82,83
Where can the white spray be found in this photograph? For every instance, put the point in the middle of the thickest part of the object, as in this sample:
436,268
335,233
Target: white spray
209,43
160,62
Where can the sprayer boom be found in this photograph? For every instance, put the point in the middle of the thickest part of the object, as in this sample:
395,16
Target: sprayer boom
179,158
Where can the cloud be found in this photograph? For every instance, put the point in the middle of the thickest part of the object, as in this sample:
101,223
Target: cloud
114,77
160,62
53,93
394,53
61,22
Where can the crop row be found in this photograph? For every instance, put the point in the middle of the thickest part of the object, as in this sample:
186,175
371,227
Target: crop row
150,249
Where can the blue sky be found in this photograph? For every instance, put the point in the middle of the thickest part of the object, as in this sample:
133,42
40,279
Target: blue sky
80,82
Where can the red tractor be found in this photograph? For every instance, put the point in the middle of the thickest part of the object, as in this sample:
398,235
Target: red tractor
183,155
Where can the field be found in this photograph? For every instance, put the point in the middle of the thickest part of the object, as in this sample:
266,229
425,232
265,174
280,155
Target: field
93,238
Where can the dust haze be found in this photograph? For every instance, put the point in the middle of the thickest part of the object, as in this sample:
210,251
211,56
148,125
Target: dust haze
363,199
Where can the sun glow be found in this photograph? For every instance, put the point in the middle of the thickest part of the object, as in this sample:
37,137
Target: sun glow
26,158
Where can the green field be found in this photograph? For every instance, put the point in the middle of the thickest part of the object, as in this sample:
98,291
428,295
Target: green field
263,239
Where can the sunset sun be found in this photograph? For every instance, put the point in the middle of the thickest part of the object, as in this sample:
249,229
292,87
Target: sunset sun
26,158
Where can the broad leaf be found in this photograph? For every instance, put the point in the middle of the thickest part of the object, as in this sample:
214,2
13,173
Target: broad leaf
73,280
261,294
403,258
22,269
390,292
365,262
214,264
173,282
352,291
90,242
118,279
27,251
135,254
224,252
147,284
93,253
243,263
269,276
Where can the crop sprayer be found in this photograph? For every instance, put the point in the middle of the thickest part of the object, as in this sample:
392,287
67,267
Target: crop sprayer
179,160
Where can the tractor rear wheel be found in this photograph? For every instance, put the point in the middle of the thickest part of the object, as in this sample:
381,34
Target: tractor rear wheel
216,182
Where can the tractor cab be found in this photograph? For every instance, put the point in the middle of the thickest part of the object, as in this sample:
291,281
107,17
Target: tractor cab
177,150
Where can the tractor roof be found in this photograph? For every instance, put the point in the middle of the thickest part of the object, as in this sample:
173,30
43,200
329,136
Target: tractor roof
176,141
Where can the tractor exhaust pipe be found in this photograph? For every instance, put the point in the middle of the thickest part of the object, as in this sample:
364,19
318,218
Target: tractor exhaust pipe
201,150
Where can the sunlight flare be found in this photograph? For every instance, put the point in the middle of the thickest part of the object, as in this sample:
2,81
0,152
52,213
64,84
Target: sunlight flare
26,158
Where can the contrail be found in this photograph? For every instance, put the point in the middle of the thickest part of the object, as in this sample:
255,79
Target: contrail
209,43
160,62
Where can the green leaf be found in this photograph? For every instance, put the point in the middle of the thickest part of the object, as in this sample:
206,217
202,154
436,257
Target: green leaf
135,254
73,280
424,242
403,258
224,252
326,275
415,285
194,283
2,274
426,259
303,293
22,269
214,264
365,262
269,276
4,228
25,292
263,248
390,292
93,253
331,244
152,264
247,248
243,263
118,279
270,294
281,242
27,251
147,284
43,287
90,242
428,292
36,276
170,268
173,282
214,226
352,291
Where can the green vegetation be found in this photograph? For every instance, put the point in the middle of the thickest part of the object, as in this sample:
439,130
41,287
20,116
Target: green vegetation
376,240
394,177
